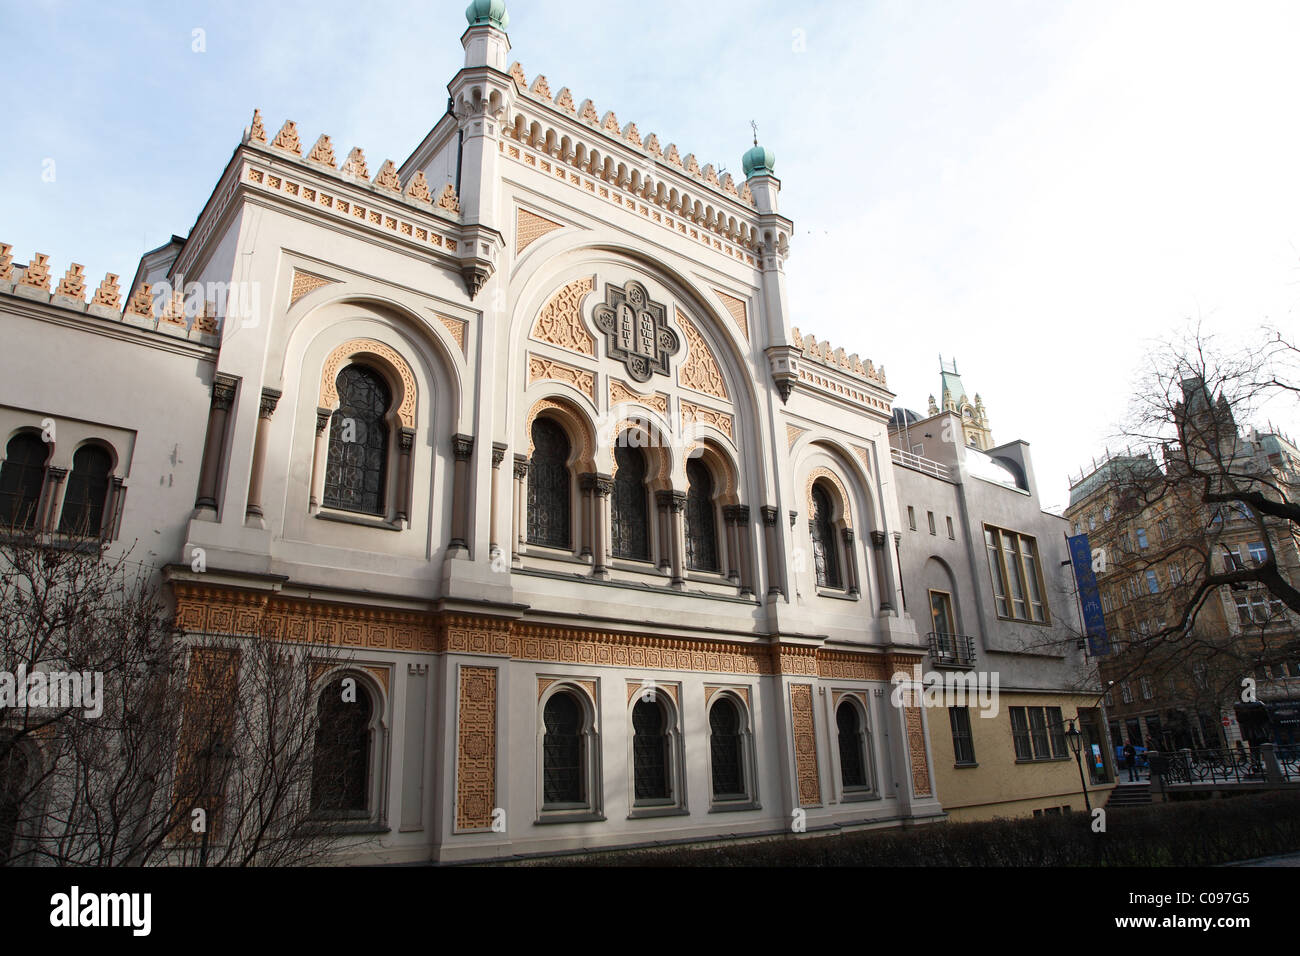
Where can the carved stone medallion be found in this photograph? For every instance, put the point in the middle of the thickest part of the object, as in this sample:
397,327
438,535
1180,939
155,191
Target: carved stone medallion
636,330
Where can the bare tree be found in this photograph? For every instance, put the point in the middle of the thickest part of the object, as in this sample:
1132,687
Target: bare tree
124,741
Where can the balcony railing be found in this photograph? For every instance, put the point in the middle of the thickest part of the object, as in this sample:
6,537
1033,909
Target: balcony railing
952,650
917,463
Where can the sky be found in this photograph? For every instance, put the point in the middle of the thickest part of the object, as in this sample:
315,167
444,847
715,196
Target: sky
1041,190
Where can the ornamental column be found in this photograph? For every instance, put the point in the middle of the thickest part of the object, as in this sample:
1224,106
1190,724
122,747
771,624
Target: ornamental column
498,456
730,519
586,506
223,397
405,446
850,561
775,571
520,512
663,506
603,487
270,399
677,536
323,416
462,447
878,542
47,516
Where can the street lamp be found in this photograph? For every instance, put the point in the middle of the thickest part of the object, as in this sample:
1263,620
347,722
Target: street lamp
1075,739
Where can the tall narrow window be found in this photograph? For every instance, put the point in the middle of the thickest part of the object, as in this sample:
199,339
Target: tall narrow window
21,478
549,483
562,770
341,762
630,508
825,552
963,743
853,764
356,469
83,503
701,524
726,751
650,757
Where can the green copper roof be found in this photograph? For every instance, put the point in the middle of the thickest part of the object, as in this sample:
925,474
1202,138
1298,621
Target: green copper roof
490,12
759,161
952,387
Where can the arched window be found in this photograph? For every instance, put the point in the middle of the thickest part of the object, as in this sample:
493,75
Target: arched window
853,764
549,494
563,772
651,760
340,780
357,465
726,751
21,478
826,552
630,507
701,524
83,503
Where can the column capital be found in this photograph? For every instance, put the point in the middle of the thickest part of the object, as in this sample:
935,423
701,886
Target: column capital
462,446
323,416
56,473
847,535
878,539
270,399
794,517
604,485
406,439
498,454
770,514
223,391
521,467
587,481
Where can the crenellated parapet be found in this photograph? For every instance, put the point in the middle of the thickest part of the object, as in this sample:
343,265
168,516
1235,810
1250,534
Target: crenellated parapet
192,317
823,354
321,158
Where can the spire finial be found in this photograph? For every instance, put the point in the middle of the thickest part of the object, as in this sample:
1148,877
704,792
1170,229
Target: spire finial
753,124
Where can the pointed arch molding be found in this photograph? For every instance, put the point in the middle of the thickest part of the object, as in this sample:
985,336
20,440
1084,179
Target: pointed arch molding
405,400
574,424
529,227
560,321
700,371
834,479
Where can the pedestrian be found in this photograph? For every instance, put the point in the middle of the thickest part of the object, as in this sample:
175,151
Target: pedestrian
1131,761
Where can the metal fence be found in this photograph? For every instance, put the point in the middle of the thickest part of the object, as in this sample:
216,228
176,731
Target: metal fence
1259,764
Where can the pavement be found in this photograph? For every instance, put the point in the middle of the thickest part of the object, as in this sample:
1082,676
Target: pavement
1286,859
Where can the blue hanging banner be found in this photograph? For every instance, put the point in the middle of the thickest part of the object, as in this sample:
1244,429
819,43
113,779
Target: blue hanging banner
1094,621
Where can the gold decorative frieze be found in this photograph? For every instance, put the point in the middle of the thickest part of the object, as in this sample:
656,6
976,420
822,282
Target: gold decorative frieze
304,283
544,369
737,309
621,394
529,227
825,474
844,665
476,748
698,414
803,731
916,752
560,321
700,371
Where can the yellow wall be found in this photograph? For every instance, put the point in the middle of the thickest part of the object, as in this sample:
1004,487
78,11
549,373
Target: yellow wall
999,786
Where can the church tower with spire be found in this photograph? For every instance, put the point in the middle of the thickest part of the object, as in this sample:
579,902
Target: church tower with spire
953,398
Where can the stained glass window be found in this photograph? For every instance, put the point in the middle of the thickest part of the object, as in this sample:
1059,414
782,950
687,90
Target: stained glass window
825,552
725,750
21,478
83,503
356,469
853,770
650,751
549,495
630,508
341,762
562,774
701,523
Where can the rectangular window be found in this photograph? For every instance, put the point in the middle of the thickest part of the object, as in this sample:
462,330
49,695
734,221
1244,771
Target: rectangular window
951,533
1016,574
929,516
1153,582
1175,575
1110,699
911,517
1143,544
1232,559
1258,552
1092,522
1038,733
941,617
1166,529
963,744
1126,692
1201,674
1020,734
1145,684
